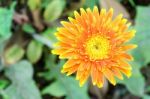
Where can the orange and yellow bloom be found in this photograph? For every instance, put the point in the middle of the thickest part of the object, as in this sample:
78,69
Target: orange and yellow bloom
95,45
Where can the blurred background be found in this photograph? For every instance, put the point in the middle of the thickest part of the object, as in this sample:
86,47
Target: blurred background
29,71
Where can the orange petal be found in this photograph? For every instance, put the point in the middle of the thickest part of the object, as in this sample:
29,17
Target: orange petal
76,14
94,74
129,35
102,16
63,35
96,16
126,72
64,39
80,71
79,74
73,21
90,17
95,10
68,25
102,13
128,47
109,14
117,19
65,31
84,77
100,79
58,51
84,66
124,65
71,62
122,26
83,13
109,75
73,69
126,56
117,73
64,45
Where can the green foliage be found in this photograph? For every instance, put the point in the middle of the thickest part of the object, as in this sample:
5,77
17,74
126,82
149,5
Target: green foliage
34,51
67,84
90,3
28,28
23,85
6,16
1,67
136,84
25,51
142,54
55,89
49,34
34,4
13,54
135,80
3,84
54,10
3,95
146,97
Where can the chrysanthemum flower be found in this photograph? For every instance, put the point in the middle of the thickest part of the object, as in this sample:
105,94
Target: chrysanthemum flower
95,45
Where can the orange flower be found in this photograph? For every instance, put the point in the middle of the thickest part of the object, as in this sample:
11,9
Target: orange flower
95,45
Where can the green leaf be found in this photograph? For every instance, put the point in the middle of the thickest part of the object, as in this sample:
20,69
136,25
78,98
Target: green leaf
142,21
34,51
54,10
43,40
3,94
49,34
23,86
34,4
3,84
6,16
136,83
45,3
72,88
132,3
28,28
50,64
91,3
13,54
67,84
142,24
146,97
55,89
147,89
141,53
2,44
1,67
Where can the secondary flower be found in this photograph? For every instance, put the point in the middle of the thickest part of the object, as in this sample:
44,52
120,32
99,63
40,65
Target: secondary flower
95,45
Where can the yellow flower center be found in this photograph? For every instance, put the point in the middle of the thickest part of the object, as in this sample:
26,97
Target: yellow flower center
97,47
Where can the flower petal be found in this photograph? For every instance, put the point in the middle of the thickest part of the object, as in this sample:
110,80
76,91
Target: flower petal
109,75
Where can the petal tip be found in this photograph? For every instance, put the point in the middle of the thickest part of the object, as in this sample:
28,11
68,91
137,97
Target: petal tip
62,71
81,85
53,52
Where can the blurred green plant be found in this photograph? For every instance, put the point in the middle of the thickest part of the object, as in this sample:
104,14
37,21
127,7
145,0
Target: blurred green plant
22,86
6,16
66,86
13,54
23,62
54,10
136,84
34,51
63,86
